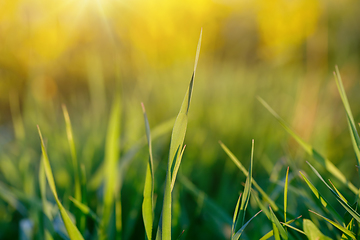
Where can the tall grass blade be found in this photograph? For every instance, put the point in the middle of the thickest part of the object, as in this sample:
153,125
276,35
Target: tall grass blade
147,205
176,143
355,139
247,190
73,232
285,192
338,226
327,164
80,218
76,168
312,232
112,152
246,173
241,230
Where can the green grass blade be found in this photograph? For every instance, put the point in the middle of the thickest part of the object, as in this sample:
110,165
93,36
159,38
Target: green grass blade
245,172
112,152
76,168
176,168
294,228
80,218
277,225
312,232
247,190
327,164
355,139
285,192
85,209
338,198
147,205
322,200
73,232
338,193
241,230
176,143
338,226
235,216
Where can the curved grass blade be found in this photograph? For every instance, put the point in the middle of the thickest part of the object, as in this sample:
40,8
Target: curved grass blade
85,209
176,168
176,143
327,164
247,190
235,216
73,232
245,172
338,198
285,192
338,226
147,205
355,139
75,163
241,230
294,228
277,225
80,218
312,232
112,152
322,200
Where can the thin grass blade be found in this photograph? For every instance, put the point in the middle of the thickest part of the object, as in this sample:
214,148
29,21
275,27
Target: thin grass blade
355,139
235,216
247,190
246,173
285,192
176,143
76,168
73,232
147,205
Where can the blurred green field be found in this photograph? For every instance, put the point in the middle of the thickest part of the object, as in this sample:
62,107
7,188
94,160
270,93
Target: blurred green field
102,59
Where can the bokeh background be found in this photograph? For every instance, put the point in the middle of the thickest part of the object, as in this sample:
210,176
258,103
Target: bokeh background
83,52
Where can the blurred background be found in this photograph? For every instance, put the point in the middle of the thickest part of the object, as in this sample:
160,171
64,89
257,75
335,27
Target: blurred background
83,52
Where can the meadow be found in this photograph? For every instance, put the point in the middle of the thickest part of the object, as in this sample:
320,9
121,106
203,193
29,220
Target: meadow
146,131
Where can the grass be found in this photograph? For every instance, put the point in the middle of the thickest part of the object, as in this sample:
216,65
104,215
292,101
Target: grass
114,187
